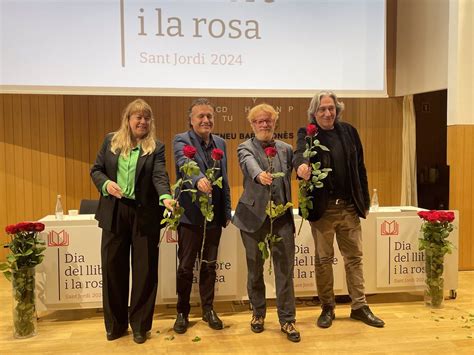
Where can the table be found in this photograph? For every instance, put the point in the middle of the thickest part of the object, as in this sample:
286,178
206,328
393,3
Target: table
70,276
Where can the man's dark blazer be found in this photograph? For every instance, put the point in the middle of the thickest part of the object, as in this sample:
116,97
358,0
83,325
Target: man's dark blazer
250,213
151,181
192,214
355,166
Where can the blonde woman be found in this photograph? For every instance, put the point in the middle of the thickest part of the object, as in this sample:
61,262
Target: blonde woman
131,176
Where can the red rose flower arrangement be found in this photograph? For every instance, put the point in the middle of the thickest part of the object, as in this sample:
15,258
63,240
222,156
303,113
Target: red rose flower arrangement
26,251
435,230
25,246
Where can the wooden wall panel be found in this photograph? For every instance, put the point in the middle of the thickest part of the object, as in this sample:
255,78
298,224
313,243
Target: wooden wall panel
4,202
31,157
48,143
461,188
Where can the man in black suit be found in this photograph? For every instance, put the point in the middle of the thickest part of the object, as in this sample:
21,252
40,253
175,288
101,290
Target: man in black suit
337,206
191,227
130,174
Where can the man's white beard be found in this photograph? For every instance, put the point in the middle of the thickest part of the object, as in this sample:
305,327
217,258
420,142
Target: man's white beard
264,136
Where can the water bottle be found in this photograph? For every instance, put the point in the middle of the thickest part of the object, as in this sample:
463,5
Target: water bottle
374,202
59,212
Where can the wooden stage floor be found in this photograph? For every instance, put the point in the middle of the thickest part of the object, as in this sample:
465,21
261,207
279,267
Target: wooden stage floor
410,328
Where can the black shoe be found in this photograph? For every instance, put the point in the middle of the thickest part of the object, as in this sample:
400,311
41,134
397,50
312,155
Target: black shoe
115,335
291,333
181,324
212,319
326,317
256,324
365,315
140,337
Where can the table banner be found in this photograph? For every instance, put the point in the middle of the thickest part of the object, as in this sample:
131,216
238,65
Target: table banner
399,262
72,270
226,266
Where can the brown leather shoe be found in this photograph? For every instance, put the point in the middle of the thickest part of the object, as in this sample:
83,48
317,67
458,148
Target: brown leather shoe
256,324
291,333
365,315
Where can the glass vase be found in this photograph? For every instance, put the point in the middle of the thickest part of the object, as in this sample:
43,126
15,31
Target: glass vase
24,308
434,292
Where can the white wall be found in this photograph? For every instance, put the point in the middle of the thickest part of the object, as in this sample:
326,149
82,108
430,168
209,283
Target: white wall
422,46
460,69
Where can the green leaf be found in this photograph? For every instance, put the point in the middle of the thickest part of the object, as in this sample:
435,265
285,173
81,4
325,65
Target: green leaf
218,182
196,339
322,176
262,246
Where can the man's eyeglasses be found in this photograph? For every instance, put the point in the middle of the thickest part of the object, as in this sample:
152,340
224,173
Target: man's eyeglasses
262,122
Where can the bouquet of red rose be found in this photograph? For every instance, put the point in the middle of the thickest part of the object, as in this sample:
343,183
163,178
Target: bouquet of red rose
25,246
26,252
305,187
273,211
434,241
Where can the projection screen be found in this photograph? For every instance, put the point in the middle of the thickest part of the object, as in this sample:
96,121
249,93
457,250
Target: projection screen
266,48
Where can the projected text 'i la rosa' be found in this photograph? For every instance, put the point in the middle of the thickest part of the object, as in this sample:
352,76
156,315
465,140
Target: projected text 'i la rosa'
172,26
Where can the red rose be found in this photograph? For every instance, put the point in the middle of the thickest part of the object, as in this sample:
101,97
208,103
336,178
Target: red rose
11,229
437,216
311,130
449,216
433,216
39,227
189,151
270,152
22,227
422,214
446,216
217,154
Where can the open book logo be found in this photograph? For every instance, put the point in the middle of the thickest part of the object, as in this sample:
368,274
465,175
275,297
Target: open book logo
58,239
171,236
389,228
